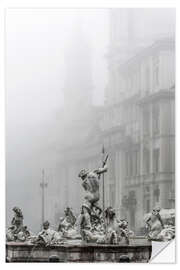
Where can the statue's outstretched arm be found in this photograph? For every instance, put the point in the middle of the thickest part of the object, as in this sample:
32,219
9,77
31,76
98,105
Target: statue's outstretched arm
101,170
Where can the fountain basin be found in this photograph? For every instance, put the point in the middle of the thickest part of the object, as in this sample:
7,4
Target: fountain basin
138,250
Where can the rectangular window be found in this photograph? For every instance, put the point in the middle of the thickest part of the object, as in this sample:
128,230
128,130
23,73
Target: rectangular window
135,163
126,163
138,163
156,159
156,194
155,71
146,122
156,118
147,80
156,76
147,206
147,190
146,161
130,164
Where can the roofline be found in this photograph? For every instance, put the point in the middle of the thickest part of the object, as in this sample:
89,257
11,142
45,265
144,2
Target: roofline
165,43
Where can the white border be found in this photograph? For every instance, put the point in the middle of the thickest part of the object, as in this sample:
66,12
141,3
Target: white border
69,4
89,3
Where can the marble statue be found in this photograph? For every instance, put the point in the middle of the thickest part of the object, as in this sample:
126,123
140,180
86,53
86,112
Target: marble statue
116,230
90,183
109,231
24,235
91,212
157,228
68,225
68,221
17,232
91,226
47,236
154,223
69,216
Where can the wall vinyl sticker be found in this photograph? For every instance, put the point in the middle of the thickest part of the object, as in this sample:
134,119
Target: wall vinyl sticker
90,134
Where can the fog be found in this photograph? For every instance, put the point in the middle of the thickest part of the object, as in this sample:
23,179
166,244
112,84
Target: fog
47,52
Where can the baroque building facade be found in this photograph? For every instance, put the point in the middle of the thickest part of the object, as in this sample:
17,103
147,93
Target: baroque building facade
136,126
138,119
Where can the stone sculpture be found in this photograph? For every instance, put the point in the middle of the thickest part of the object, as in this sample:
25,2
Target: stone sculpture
17,232
69,215
68,225
90,183
110,231
157,228
91,226
116,230
91,212
47,236
68,221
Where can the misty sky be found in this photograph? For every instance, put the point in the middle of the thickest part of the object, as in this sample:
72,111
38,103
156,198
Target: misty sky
38,42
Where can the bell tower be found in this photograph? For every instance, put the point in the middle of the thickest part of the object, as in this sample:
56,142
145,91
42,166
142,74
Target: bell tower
77,115
78,83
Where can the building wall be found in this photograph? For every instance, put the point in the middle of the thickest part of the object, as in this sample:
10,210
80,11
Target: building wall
137,129
145,112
